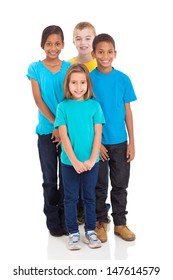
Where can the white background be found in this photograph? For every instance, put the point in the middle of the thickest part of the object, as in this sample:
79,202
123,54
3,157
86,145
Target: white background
143,35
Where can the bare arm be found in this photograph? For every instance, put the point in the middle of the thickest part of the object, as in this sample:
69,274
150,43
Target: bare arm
96,147
78,165
39,101
44,108
129,124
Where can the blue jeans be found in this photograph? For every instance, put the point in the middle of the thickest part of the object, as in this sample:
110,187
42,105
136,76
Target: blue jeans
71,182
53,194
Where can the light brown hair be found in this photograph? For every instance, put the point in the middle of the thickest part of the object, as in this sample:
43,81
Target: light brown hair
84,24
77,68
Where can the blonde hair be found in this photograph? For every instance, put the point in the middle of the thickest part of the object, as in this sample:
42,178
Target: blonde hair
84,24
78,68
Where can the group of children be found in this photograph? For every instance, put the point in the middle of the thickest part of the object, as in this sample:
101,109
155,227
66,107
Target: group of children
85,130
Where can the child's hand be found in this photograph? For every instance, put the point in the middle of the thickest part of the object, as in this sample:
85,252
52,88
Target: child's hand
103,153
130,152
79,167
56,137
89,164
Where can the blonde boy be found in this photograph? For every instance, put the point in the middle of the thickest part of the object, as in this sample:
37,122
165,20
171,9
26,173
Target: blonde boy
83,36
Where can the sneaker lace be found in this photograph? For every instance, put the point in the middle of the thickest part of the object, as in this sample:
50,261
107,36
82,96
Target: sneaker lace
100,225
92,236
74,238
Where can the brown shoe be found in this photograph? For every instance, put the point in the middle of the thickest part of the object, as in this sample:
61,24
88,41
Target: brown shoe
101,230
124,232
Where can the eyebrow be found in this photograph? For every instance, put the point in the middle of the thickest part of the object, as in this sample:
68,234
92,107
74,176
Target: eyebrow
48,41
112,49
87,36
83,80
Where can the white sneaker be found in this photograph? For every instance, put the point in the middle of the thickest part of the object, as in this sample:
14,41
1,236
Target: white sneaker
92,240
74,241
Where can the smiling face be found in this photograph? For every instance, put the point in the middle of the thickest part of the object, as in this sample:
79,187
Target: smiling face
83,40
104,54
53,46
78,85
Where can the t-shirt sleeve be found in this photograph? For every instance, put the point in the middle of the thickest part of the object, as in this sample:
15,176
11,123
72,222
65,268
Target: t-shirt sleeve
129,94
32,72
60,118
99,116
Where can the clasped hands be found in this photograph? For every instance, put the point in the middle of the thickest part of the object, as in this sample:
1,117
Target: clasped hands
81,167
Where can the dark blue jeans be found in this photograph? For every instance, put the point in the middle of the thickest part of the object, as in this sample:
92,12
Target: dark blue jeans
52,182
72,183
117,168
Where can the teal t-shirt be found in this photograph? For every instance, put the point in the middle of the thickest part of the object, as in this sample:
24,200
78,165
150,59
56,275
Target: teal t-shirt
79,117
51,89
112,91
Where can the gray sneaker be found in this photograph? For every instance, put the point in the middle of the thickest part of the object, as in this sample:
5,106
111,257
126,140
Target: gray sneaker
74,241
92,240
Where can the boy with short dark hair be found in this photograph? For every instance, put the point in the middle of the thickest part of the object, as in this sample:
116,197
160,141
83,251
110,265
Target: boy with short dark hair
114,91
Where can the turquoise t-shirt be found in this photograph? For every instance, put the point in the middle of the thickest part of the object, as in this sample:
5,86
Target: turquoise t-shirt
112,91
51,88
79,117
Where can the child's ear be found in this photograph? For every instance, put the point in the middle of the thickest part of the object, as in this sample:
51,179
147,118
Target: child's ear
93,54
115,54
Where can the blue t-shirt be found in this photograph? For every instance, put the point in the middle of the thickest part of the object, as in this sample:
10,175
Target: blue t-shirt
51,88
112,91
79,116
